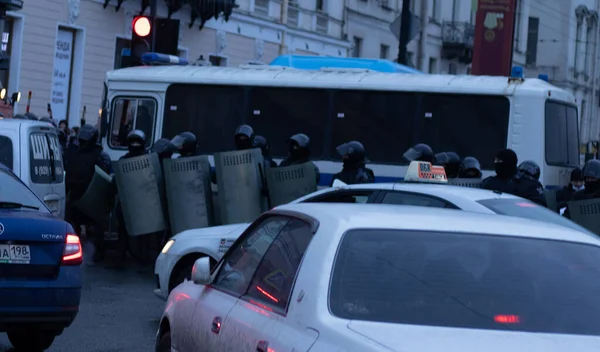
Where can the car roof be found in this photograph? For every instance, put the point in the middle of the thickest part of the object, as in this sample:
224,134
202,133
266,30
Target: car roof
16,122
401,217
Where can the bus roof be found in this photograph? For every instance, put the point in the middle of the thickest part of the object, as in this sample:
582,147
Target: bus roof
333,78
303,62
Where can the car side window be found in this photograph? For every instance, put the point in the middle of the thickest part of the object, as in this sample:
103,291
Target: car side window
242,260
360,197
273,281
401,198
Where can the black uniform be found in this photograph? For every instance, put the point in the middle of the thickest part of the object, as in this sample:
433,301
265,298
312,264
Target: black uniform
420,152
164,148
186,144
354,170
451,163
506,170
80,166
591,173
576,184
528,184
262,143
469,168
299,152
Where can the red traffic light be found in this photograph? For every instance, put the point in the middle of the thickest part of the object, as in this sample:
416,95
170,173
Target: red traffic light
141,26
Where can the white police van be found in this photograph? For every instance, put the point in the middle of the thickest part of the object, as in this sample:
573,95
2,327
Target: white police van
31,149
388,112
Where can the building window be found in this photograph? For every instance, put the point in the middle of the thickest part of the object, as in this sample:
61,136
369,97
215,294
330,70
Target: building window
384,51
432,65
532,40
518,25
6,50
320,5
435,10
357,47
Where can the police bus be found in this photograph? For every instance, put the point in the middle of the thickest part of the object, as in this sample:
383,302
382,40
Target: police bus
388,112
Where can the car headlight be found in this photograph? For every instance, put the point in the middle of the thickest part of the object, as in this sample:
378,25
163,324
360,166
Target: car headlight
167,246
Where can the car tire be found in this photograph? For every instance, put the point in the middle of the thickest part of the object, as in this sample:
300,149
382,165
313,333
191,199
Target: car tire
31,341
164,344
185,273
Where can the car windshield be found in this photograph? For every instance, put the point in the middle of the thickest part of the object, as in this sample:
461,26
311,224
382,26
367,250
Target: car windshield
467,281
522,208
14,194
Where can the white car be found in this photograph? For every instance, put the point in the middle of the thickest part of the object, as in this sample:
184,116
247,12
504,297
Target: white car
348,277
174,263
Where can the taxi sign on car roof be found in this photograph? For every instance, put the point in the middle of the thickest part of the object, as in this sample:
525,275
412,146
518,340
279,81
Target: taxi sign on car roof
424,172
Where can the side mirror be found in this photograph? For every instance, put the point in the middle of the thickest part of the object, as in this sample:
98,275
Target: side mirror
201,271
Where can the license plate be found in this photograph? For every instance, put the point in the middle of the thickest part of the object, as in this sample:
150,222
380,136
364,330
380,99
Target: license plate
14,254
53,205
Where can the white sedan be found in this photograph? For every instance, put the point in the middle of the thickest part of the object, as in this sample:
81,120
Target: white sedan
347,277
174,263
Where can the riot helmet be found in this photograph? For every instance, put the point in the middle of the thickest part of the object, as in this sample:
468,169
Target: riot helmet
299,146
261,143
505,164
88,136
186,143
164,148
352,153
577,180
469,168
136,142
31,116
244,137
450,161
420,152
591,174
530,168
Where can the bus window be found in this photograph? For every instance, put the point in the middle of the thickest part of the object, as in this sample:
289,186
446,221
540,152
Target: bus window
211,112
279,113
130,114
381,121
6,152
470,125
561,134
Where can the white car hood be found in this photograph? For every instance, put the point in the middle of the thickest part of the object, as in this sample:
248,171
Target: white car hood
214,231
415,338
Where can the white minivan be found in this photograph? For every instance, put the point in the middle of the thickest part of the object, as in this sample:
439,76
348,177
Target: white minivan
31,149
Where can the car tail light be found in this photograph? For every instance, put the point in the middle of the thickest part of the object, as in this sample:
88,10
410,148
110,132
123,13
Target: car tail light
73,253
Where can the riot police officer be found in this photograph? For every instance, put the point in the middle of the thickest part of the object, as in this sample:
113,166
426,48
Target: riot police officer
186,144
591,174
576,184
244,137
450,161
354,159
31,116
164,148
420,152
299,152
528,185
262,143
469,168
136,144
49,120
505,165
80,166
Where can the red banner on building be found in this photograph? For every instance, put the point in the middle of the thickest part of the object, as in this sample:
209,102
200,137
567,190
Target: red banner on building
493,45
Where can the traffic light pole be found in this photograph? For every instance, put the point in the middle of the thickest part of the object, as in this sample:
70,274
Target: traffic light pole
404,29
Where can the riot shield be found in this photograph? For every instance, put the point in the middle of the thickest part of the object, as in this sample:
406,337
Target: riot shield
189,193
239,179
291,182
94,202
138,183
551,203
465,182
586,213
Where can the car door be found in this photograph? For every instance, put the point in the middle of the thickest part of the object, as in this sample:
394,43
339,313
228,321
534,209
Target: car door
346,196
259,316
415,199
199,320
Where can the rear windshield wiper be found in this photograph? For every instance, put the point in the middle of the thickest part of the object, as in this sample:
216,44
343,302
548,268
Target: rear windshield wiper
14,205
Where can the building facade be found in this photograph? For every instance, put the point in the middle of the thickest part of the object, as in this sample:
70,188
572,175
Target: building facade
61,49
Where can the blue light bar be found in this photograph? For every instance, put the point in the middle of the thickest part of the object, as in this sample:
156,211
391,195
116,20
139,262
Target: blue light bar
516,72
125,52
157,58
543,77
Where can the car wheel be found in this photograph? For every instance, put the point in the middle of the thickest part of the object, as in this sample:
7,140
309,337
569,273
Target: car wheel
164,345
185,273
31,341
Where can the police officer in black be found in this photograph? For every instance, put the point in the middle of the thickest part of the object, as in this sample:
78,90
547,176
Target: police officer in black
469,168
505,165
244,137
450,161
420,152
591,174
164,148
186,144
262,143
299,152
527,182
80,166
576,183
354,159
